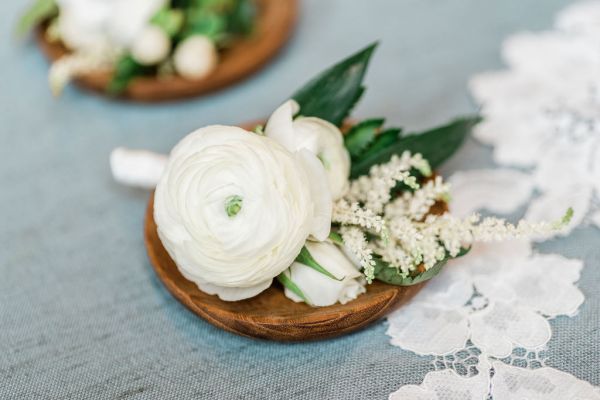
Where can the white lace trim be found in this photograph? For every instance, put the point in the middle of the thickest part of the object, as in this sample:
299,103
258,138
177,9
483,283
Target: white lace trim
485,317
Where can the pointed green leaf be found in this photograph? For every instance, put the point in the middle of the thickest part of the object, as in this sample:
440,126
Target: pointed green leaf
126,69
436,145
382,141
288,283
242,17
169,20
203,22
388,274
36,14
307,259
333,93
361,136
336,238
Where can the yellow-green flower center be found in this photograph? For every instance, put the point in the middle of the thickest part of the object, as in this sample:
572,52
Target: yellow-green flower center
233,205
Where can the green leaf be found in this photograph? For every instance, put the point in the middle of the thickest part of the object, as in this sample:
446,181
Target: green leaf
361,136
205,23
307,259
41,10
336,238
288,283
388,274
241,20
382,141
385,273
333,93
126,69
170,21
435,145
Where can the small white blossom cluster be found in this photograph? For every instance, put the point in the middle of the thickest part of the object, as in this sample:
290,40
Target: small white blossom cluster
405,232
374,191
357,245
346,214
417,204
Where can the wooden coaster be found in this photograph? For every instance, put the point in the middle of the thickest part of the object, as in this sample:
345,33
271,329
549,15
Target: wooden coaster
275,24
271,315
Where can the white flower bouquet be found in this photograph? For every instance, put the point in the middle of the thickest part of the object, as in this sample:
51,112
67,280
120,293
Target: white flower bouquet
323,212
130,39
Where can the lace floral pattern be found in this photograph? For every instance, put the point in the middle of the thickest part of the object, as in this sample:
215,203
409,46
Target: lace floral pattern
545,110
485,318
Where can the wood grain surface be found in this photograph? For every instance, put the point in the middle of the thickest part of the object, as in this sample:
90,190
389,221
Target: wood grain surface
275,24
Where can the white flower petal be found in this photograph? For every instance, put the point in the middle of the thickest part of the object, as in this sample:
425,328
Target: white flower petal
317,184
233,293
326,141
280,125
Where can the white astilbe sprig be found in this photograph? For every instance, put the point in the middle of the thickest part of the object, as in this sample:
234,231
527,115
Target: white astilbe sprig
353,214
374,190
455,233
417,204
427,242
356,243
403,232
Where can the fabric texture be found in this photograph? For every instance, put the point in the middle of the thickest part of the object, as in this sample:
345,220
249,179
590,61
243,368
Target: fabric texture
82,314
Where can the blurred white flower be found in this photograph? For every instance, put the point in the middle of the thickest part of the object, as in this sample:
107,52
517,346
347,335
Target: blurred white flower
151,46
319,289
129,18
318,136
195,57
84,24
234,209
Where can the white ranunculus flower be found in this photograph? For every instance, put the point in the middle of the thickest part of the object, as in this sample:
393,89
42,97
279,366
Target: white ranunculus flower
195,57
234,209
129,18
151,46
318,136
319,289
82,23
86,24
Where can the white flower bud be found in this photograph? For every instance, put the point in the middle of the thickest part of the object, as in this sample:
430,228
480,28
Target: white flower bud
195,57
316,135
319,289
151,46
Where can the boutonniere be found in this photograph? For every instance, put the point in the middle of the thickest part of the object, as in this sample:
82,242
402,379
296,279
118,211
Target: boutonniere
318,202
157,49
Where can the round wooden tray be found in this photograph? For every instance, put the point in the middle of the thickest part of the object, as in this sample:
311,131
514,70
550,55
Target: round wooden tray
271,315
276,21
